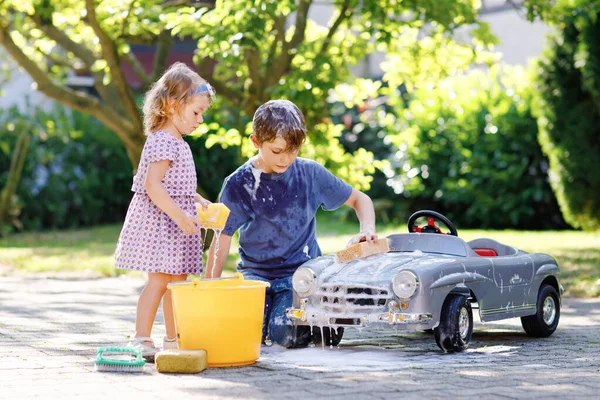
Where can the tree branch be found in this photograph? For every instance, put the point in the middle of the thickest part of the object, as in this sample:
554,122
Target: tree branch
253,61
279,28
124,26
55,59
518,7
163,48
76,100
301,18
145,40
80,51
137,67
344,14
188,3
111,55
205,69
286,57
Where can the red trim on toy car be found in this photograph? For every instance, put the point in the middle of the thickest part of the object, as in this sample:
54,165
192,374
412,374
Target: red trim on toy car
486,252
431,222
415,228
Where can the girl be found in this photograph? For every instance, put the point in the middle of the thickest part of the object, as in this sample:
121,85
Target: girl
161,233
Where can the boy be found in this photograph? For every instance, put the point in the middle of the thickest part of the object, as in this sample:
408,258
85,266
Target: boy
273,200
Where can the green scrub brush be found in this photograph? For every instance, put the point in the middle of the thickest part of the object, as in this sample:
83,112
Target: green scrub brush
115,362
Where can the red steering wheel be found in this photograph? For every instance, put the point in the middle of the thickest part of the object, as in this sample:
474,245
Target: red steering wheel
431,227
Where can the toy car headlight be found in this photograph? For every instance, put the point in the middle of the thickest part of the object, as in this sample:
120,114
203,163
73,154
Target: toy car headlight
405,284
304,281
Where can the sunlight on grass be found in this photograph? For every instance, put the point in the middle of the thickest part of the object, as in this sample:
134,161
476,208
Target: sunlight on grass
92,250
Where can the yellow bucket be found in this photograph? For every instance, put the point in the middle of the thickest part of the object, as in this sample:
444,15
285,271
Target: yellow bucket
222,316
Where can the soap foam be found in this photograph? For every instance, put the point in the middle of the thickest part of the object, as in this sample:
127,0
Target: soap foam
284,114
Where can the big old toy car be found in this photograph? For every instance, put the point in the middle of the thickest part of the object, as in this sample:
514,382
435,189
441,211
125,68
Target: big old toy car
429,280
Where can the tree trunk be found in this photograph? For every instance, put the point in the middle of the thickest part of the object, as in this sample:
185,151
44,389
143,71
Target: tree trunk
134,152
14,175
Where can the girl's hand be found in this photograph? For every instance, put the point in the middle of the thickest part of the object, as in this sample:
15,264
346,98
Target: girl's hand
365,235
202,201
189,224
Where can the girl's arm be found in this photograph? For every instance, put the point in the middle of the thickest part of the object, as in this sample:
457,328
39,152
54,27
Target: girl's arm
158,194
217,258
365,212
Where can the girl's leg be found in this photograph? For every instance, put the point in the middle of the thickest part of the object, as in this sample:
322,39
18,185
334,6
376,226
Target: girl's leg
167,307
148,303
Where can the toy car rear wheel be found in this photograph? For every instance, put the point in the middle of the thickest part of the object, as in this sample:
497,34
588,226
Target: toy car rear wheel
453,334
325,336
545,320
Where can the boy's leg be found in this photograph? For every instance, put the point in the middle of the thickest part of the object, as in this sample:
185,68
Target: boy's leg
282,330
268,303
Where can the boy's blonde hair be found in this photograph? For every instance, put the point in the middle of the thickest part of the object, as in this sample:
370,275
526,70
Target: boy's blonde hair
280,118
179,83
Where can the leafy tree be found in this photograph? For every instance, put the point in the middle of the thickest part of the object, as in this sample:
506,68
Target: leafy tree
51,39
569,106
8,216
18,153
251,51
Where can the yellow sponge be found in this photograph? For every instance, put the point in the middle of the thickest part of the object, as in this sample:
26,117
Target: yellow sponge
214,217
180,361
363,249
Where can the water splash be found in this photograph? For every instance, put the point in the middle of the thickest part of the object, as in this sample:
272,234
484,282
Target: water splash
215,252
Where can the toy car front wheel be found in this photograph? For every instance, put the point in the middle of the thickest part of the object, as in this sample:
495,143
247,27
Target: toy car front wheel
545,320
453,334
325,336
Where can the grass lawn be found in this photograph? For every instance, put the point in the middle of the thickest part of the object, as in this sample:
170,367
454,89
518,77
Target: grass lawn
91,250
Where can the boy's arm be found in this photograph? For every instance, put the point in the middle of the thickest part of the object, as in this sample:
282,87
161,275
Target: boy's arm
365,212
215,262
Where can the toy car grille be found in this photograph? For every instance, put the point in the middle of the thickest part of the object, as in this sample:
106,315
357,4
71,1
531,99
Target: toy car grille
346,298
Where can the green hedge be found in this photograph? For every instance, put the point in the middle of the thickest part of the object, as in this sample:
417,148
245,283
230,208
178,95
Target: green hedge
77,172
471,152
569,117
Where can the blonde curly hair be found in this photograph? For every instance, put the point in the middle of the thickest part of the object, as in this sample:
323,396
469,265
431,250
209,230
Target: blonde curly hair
178,83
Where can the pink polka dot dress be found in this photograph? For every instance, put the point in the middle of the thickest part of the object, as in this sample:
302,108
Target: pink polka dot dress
150,240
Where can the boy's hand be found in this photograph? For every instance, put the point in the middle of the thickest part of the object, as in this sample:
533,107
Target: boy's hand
365,235
189,224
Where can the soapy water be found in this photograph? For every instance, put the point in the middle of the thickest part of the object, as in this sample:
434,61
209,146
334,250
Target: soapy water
368,355
253,188
256,172
305,251
365,349
216,250
284,114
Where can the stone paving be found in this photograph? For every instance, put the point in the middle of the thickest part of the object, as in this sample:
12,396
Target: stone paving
50,328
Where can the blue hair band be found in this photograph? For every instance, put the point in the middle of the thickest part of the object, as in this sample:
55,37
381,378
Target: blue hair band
205,88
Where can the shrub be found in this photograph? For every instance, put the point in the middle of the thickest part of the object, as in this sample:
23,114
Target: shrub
77,172
569,117
471,152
